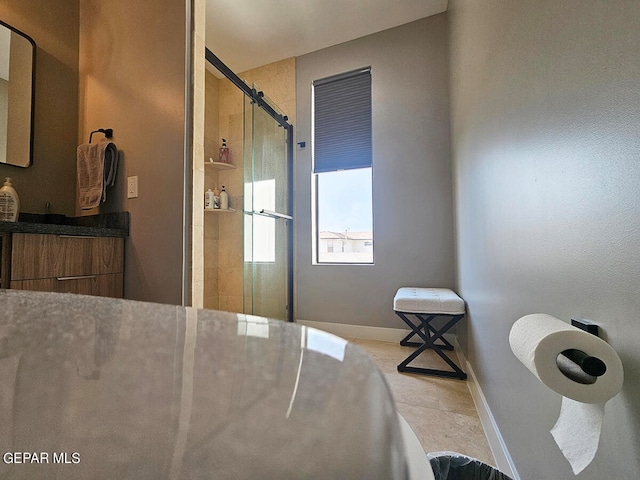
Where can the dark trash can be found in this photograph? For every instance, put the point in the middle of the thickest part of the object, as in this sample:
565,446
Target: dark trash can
454,466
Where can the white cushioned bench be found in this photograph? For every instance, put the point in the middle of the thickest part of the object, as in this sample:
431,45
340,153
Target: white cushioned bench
426,304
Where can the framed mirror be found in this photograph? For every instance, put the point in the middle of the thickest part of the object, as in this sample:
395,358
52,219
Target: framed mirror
17,74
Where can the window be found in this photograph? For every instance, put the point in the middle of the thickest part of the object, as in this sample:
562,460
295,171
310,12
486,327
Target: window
342,168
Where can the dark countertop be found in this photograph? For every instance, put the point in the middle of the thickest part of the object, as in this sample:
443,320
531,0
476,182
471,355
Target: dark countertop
140,390
102,225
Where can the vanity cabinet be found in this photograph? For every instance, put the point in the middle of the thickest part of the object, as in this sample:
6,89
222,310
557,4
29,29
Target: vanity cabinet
5,252
67,264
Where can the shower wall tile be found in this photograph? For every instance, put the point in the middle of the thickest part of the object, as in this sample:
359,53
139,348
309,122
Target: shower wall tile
236,128
230,253
198,113
229,131
223,178
210,229
229,281
230,226
235,201
210,149
236,154
231,99
198,173
231,303
211,178
290,106
211,273
198,251
278,81
211,302
223,130
212,118
211,282
224,253
234,183
211,256
197,234
270,307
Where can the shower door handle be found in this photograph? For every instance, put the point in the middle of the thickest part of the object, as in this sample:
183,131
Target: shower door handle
270,213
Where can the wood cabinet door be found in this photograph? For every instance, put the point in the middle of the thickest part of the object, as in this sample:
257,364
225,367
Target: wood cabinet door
45,256
5,252
109,285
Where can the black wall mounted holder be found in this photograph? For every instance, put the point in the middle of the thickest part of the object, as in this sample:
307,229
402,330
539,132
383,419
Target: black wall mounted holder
582,367
108,132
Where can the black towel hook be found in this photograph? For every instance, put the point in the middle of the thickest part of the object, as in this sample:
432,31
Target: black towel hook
108,132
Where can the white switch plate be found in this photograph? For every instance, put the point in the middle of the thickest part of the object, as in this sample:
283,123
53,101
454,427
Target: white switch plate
132,187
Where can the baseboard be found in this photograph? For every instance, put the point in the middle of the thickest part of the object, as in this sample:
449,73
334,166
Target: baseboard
344,330
382,334
503,459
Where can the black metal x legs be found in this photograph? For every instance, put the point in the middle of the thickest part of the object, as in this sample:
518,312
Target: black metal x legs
429,335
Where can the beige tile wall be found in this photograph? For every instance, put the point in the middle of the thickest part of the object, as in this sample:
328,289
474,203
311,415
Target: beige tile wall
223,232
211,144
278,81
198,134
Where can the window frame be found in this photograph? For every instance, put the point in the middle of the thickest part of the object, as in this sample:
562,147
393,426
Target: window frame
315,190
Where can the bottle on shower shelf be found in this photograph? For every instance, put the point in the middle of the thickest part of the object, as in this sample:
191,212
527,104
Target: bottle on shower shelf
224,152
208,200
224,199
216,198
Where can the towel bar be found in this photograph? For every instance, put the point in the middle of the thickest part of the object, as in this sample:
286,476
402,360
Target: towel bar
108,132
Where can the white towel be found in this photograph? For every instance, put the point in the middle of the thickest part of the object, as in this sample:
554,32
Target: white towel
97,168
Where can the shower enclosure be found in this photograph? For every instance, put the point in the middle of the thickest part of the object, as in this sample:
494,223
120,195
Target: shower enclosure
258,232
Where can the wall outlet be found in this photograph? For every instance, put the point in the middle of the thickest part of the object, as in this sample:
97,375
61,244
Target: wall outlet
132,187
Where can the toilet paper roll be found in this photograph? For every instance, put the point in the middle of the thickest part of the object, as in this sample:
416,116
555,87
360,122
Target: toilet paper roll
537,340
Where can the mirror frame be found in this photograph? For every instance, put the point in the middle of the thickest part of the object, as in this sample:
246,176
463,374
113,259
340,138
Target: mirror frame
33,94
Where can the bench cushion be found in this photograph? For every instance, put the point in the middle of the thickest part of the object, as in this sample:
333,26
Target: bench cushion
428,300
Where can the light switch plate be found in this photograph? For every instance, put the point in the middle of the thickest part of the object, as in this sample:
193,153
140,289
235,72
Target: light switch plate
132,187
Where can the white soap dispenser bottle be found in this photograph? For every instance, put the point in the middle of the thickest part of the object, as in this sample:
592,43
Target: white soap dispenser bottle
9,202
224,199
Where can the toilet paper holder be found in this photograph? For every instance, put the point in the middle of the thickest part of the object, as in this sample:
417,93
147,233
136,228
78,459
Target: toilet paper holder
590,368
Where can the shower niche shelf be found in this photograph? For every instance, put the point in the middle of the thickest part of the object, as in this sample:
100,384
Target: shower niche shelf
219,210
220,165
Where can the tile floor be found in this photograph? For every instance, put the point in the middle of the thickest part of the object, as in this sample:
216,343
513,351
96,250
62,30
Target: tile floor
440,411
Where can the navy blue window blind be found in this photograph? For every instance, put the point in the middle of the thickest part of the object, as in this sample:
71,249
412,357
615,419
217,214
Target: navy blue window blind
342,122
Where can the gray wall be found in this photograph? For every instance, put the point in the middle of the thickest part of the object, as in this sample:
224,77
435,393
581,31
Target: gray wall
412,204
546,138
53,25
132,79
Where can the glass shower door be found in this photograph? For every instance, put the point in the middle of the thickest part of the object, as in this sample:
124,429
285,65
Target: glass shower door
267,219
